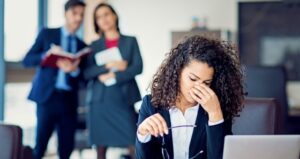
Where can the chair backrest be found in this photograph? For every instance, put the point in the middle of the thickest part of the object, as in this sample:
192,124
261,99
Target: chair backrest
257,118
27,152
269,82
10,142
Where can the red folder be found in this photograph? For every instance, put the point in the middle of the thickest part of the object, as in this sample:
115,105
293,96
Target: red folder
51,59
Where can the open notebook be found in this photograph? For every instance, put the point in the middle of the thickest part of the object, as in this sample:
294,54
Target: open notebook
54,55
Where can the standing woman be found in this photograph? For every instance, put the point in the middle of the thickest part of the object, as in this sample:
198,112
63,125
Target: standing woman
112,119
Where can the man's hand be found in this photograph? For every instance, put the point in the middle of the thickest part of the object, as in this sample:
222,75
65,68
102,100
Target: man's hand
53,50
67,66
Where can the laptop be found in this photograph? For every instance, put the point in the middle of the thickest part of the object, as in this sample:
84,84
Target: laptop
262,147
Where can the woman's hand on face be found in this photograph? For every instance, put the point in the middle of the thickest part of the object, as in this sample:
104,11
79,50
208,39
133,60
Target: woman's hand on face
154,125
207,98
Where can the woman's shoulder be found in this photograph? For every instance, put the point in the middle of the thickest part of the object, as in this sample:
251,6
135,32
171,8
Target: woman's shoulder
147,98
97,45
128,37
146,103
95,42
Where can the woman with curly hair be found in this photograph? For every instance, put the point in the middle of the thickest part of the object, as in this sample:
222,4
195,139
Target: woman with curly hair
195,94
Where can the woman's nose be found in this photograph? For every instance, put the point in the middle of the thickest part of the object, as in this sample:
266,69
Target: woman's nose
198,83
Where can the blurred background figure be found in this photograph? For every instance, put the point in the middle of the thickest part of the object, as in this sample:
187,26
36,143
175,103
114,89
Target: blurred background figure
55,89
112,86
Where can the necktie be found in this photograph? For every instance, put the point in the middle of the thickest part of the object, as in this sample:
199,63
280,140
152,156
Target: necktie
70,50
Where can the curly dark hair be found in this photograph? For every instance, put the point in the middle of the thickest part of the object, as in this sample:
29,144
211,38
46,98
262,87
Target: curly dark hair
222,56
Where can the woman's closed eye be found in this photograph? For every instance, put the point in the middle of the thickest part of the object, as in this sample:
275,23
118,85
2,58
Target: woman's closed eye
207,83
192,79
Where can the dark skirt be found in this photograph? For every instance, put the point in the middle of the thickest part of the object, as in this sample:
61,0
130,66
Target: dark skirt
112,122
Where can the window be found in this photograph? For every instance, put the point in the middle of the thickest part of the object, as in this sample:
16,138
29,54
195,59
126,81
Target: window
20,27
20,31
56,13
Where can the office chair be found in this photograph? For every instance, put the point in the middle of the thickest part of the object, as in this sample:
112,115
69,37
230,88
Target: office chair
11,146
258,117
271,82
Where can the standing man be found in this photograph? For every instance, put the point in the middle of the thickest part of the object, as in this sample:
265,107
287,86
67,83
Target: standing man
55,89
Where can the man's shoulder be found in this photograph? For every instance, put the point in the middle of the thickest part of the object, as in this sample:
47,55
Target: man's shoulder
50,30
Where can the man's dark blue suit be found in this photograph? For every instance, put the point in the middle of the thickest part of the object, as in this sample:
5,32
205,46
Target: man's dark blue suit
56,109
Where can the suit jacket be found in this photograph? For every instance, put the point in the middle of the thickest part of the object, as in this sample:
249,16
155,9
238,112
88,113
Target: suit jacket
209,139
130,52
44,81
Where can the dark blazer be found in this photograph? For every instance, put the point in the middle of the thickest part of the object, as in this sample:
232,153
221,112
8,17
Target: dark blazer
44,81
209,139
130,52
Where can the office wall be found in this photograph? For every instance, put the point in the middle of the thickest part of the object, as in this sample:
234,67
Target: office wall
152,22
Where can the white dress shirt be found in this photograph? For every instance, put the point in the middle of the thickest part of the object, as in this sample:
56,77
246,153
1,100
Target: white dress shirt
181,136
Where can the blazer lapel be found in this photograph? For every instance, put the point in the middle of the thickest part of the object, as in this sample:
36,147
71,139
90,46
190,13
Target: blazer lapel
198,135
100,45
122,46
57,37
79,45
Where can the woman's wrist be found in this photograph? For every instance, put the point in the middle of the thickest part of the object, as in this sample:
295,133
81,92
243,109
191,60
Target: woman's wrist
215,116
142,132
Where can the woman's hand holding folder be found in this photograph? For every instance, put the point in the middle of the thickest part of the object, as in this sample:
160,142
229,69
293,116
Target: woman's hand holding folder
117,65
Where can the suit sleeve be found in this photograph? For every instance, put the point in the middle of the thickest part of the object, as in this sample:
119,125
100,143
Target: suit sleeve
150,149
134,68
33,57
215,138
90,69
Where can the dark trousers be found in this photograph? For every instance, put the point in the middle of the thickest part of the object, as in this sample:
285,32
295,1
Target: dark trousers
59,114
